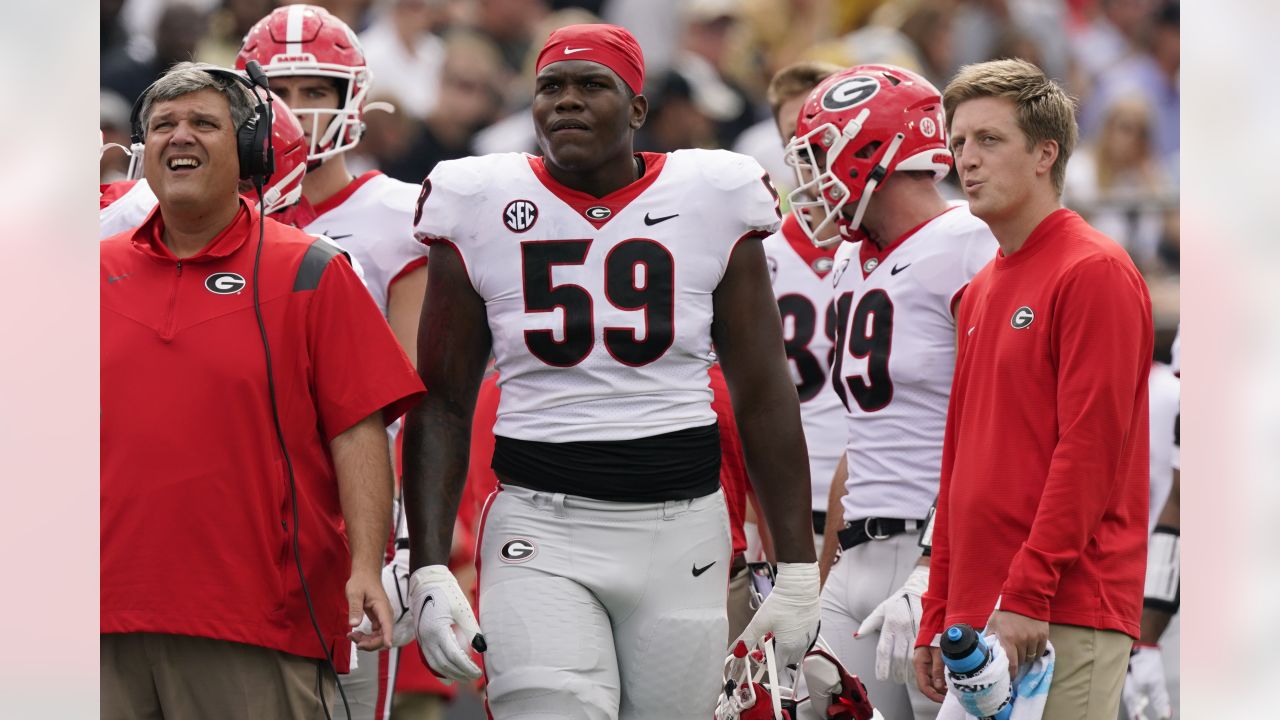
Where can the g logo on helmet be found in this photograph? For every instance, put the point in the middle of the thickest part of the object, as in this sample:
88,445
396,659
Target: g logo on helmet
598,212
224,283
517,551
1022,317
848,93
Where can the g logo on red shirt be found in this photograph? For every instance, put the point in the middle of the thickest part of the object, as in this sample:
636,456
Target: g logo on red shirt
224,283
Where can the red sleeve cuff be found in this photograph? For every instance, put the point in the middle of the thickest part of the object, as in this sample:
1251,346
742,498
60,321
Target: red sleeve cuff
1032,607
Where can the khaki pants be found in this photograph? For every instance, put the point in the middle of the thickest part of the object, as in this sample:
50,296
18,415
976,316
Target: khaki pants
150,676
1088,673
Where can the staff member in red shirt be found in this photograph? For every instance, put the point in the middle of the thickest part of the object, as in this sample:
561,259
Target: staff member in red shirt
204,539
1042,513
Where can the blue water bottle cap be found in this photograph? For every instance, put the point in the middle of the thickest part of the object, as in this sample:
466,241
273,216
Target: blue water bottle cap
954,633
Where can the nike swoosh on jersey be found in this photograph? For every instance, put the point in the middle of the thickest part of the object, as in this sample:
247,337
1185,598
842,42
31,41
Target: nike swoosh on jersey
897,269
654,221
570,51
699,570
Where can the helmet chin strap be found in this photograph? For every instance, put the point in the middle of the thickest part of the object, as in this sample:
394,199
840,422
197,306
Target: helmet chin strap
877,175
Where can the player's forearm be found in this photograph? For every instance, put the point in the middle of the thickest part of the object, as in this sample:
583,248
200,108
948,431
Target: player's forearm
363,468
1154,623
835,517
774,445
437,444
1171,514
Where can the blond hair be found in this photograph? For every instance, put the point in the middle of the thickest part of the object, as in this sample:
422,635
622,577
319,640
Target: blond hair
795,80
1043,109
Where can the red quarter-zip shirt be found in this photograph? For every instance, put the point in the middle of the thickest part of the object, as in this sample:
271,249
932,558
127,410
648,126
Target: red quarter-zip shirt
1043,498
196,511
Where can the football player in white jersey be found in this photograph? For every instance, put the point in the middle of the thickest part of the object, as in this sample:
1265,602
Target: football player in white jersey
314,61
600,278
800,272
868,151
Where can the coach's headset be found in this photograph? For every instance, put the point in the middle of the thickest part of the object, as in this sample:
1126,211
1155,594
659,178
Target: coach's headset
253,137
256,154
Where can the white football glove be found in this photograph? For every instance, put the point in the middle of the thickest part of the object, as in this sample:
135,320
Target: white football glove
898,620
1145,686
790,612
438,605
395,581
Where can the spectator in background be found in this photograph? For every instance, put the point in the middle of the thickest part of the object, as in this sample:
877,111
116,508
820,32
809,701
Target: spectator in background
112,36
1113,34
470,99
509,24
929,25
178,31
227,27
404,55
703,61
1118,184
683,114
1151,73
113,121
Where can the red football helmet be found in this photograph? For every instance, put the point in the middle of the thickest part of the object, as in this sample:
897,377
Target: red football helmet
755,688
307,40
284,187
855,129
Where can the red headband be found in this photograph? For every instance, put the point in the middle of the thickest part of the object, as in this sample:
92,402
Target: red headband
610,45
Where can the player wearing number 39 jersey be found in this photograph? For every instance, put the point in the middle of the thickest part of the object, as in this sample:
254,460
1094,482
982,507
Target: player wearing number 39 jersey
869,149
600,279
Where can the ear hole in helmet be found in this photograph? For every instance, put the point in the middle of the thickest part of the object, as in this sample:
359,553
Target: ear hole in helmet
868,150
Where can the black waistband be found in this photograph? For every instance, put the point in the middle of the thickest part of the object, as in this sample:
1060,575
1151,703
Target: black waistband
679,465
860,531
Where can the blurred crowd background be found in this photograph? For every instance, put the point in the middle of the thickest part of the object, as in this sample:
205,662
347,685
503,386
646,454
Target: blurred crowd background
459,73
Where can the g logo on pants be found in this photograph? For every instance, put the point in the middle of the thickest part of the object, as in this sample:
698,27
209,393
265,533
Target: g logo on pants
517,551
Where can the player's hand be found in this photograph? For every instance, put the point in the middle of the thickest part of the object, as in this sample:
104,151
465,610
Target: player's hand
898,621
1145,687
1024,639
365,597
929,669
395,582
790,612
438,606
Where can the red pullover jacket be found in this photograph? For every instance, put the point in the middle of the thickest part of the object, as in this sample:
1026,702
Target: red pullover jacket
196,511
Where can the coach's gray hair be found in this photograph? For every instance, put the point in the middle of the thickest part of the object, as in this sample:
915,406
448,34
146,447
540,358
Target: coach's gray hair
187,77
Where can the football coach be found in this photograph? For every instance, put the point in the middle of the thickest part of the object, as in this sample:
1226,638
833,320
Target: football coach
247,378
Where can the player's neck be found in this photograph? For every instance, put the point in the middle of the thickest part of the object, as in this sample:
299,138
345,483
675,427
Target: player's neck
1012,230
327,180
605,178
188,230
897,213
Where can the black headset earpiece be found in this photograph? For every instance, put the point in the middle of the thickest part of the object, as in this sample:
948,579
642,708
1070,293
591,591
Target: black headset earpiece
253,137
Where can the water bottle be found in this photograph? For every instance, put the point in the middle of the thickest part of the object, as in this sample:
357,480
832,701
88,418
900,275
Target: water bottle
966,654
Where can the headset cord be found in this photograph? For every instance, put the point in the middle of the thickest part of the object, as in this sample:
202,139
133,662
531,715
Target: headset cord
284,450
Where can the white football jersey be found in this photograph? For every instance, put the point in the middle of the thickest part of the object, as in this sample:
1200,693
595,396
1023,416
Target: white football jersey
372,219
895,354
600,308
127,211
801,277
1163,389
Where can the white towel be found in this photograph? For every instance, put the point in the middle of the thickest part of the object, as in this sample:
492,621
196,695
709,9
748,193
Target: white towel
1030,688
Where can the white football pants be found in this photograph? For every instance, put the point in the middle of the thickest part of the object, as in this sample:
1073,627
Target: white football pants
857,583
594,609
